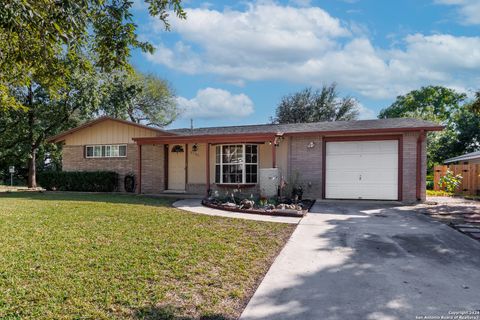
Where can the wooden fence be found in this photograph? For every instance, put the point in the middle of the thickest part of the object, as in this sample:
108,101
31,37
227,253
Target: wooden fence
471,180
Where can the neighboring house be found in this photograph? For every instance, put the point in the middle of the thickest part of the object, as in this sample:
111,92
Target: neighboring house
468,158
381,159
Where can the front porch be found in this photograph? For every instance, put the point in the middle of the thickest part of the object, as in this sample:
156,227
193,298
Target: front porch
197,165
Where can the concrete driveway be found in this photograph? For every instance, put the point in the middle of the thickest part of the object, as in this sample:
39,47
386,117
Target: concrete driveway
370,261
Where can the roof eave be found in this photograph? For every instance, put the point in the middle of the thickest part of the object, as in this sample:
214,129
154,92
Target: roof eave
461,159
210,138
365,131
250,137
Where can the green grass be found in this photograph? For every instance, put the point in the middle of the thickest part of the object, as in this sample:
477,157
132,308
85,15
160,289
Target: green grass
91,256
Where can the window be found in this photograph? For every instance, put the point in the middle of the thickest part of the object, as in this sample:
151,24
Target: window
236,164
106,151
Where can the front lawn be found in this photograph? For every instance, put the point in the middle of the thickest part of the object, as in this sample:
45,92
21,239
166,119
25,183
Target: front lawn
80,256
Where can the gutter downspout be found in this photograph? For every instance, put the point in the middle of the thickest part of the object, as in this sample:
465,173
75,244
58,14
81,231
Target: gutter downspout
421,138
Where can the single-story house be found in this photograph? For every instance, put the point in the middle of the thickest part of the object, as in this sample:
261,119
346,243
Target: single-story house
382,159
467,158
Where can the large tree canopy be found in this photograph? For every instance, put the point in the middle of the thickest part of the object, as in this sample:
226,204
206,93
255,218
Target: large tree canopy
446,106
24,130
461,136
35,37
139,98
45,80
433,103
311,105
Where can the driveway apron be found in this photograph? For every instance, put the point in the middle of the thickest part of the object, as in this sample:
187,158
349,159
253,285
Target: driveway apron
367,260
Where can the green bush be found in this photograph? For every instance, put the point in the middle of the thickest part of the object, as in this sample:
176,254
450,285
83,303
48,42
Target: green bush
438,193
96,181
430,185
449,182
430,182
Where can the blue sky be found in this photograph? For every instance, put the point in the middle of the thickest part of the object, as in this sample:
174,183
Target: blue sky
231,62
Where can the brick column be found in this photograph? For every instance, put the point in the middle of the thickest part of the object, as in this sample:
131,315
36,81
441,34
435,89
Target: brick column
139,168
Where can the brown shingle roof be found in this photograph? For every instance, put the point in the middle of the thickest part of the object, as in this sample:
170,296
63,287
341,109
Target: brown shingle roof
395,124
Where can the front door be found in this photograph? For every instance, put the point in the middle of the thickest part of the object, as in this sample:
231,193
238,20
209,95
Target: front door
176,167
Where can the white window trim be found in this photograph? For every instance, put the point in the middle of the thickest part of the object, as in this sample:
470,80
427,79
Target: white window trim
244,163
104,145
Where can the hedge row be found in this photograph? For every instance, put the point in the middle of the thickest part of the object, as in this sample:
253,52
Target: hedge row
97,181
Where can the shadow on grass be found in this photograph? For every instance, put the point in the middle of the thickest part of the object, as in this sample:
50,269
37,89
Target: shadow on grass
170,313
90,197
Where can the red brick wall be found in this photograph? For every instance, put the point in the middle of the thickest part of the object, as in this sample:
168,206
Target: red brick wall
153,169
307,165
73,159
152,165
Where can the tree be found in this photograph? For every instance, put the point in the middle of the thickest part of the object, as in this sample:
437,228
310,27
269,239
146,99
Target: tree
44,113
35,36
42,62
140,98
311,105
475,106
462,135
446,106
434,103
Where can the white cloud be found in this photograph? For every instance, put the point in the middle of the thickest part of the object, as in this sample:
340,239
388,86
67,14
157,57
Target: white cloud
309,46
469,10
215,103
365,113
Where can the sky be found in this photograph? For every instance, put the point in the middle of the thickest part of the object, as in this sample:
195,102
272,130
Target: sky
231,62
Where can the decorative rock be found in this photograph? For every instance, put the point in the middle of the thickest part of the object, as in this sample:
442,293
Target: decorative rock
229,204
283,206
246,204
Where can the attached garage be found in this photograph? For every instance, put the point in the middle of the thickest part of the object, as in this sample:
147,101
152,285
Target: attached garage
362,169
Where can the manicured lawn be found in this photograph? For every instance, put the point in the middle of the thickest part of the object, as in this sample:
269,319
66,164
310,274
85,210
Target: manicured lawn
77,256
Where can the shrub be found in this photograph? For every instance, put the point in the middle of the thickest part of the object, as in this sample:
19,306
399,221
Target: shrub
450,182
430,182
438,193
430,185
96,181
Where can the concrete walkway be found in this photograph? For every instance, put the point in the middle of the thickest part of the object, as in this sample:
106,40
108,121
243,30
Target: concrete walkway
195,205
369,261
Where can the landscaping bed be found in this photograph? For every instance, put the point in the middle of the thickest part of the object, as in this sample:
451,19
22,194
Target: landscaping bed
289,209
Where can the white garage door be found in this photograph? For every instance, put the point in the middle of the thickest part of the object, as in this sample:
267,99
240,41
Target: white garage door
362,170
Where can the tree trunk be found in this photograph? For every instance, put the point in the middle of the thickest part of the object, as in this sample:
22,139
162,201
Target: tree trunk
32,169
